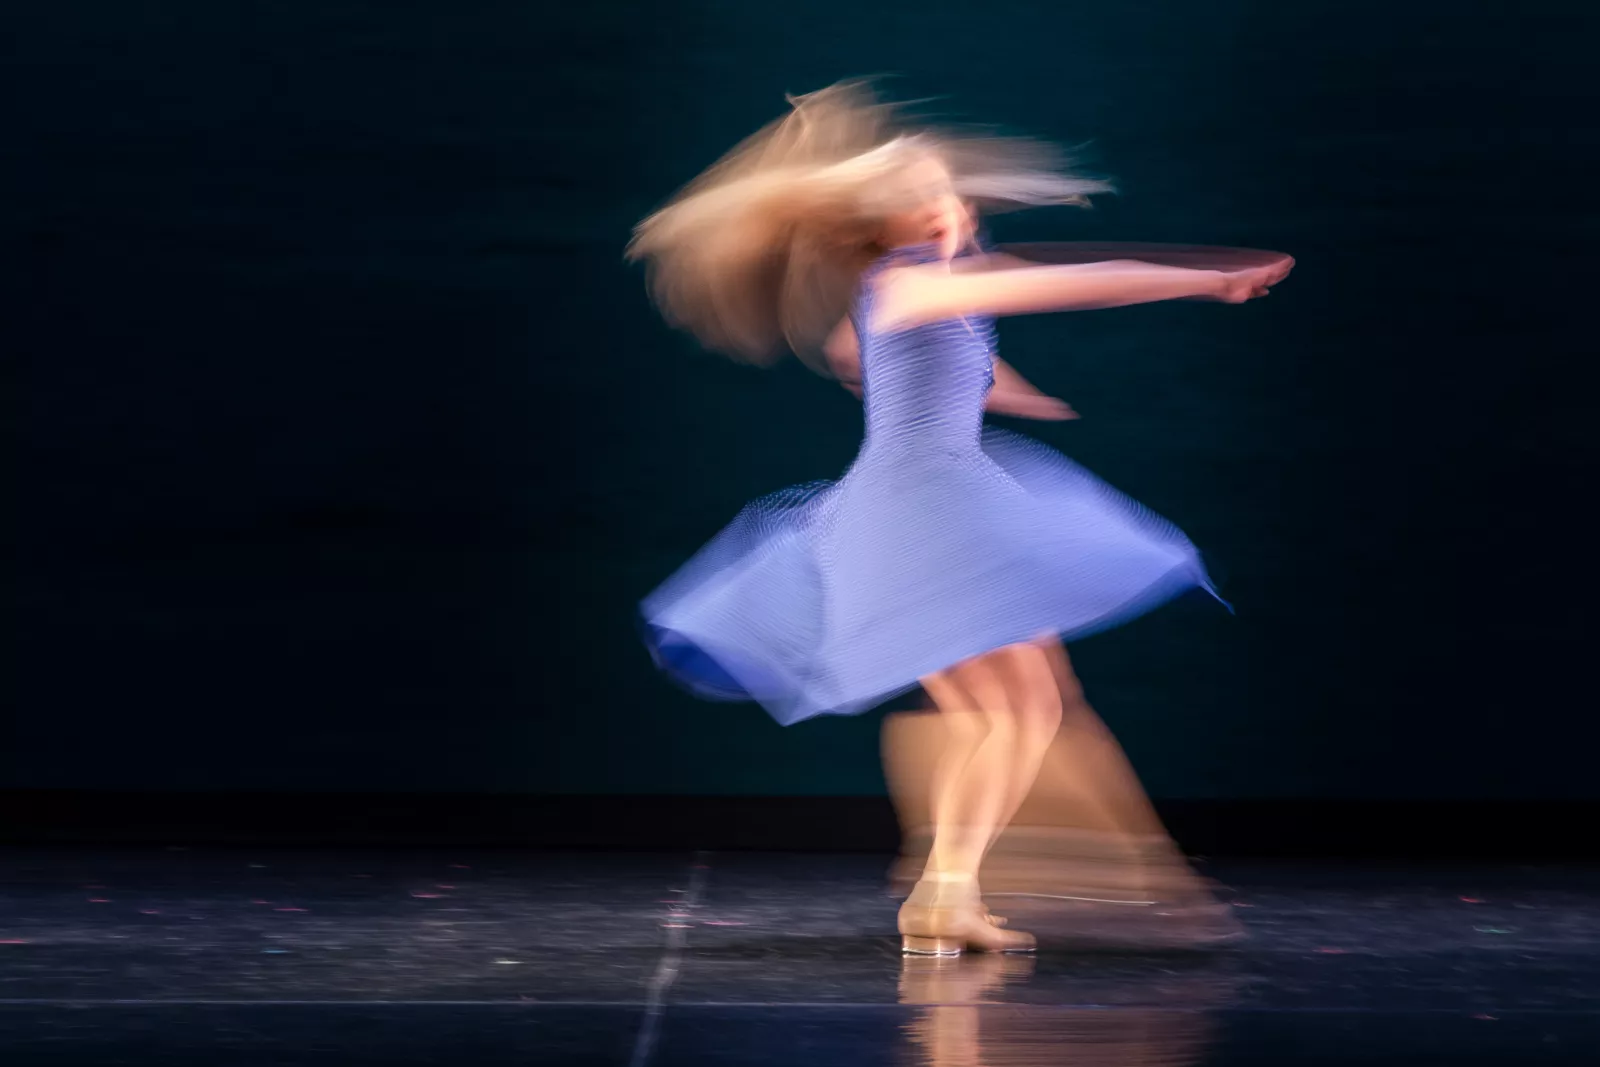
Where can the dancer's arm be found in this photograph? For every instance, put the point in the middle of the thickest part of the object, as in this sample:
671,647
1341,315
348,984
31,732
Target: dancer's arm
908,296
1012,394
989,261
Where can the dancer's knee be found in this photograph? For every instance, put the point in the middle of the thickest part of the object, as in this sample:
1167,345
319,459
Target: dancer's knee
1041,714
1039,696
966,728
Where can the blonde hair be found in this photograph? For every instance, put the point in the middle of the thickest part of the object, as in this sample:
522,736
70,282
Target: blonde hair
764,251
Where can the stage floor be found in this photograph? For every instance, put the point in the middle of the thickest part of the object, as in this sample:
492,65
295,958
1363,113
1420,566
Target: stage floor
211,956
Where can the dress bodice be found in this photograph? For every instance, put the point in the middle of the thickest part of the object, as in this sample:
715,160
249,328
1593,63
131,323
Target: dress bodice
925,384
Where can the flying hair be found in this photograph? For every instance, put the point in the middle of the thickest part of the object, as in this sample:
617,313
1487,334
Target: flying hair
763,252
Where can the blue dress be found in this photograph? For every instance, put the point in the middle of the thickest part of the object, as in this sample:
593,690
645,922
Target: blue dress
944,540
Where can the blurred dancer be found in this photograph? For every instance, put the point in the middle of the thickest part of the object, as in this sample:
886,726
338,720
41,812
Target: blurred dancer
948,555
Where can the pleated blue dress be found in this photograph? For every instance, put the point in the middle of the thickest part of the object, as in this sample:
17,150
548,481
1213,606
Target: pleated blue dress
945,539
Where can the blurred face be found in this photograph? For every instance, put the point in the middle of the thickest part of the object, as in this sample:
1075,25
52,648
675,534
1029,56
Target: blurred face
939,217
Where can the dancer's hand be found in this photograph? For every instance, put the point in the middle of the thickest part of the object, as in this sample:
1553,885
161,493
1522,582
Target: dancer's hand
1030,406
1238,287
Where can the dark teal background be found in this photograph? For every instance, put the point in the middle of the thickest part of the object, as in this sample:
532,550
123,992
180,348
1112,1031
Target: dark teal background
343,442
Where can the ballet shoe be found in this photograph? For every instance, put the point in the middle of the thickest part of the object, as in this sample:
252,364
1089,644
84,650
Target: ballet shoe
945,917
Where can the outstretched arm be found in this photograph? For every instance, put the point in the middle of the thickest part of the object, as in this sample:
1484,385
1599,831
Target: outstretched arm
989,261
908,296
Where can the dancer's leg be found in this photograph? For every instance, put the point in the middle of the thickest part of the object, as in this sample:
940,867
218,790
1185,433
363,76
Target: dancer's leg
1090,767
1088,826
1011,693
1036,703
1083,827
974,787
964,728
1085,786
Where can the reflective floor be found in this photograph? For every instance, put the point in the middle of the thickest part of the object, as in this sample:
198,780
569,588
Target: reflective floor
179,957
